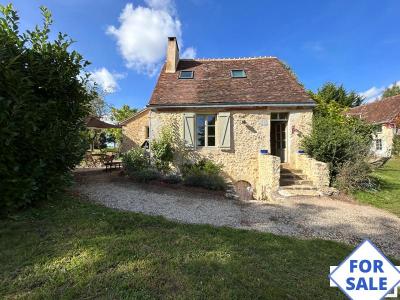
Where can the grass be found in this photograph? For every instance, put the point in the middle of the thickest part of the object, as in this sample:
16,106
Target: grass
388,196
69,248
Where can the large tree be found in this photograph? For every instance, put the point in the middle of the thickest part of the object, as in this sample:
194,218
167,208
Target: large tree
44,100
98,106
391,91
331,93
342,142
118,115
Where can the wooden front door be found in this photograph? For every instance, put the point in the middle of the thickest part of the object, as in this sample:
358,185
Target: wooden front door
278,139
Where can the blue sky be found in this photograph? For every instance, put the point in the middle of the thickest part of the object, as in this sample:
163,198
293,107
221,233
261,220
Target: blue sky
355,43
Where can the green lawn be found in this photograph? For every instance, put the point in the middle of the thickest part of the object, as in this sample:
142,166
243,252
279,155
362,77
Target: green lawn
388,197
73,249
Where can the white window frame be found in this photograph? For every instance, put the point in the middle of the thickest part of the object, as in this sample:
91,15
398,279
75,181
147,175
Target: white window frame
378,145
235,70
206,125
379,128
181,72
281,116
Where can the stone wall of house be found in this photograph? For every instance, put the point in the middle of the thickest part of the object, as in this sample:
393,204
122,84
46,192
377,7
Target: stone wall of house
250,133
386,136
134,133
316,171
269,168
248,136
300,124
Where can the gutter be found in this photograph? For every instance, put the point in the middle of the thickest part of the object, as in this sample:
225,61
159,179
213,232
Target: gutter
294,104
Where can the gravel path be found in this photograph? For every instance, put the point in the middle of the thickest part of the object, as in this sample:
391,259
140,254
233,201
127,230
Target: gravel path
304,217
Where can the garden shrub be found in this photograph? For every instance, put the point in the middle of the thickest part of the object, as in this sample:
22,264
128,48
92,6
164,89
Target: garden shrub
145,175
208,181
172,179
340,141
162,150
135,160
396,145
44,99
202,166
137,165
204,173
355,175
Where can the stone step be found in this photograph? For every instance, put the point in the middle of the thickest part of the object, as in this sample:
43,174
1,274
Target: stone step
299,187
291,171
287,182
293,176
294,193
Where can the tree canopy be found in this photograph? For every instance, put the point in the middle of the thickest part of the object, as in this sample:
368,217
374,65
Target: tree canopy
393,90
342,142
44,99
123,113
119,115
336,95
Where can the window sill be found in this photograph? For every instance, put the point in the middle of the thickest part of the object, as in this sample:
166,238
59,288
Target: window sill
206,147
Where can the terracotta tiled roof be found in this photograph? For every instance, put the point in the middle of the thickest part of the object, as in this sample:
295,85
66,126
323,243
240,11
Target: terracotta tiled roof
381,111
267,81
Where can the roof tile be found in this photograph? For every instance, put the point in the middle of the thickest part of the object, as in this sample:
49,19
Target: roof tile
267,81
381,111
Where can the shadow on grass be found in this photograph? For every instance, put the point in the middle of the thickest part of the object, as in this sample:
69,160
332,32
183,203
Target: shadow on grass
72,249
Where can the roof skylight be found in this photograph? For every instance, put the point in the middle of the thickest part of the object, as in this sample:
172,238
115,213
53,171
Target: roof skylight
238,74
186,75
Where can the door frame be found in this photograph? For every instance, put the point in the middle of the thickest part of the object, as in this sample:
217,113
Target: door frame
286,121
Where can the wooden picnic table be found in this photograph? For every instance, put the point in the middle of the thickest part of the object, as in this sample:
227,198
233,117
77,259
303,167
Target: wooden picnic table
117,164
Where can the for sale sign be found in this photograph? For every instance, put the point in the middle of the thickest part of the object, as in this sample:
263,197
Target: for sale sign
366,274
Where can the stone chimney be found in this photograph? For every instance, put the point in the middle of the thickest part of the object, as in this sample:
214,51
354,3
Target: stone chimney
172,55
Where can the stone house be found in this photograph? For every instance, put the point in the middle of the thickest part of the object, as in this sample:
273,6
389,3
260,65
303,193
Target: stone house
248,114
135,130
385,114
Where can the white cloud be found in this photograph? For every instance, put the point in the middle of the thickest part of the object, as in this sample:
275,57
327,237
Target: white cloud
372,94
189,53
375,93
142,34
165,5
106,80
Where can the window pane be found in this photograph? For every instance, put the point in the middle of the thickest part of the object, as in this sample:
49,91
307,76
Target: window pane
274,116
211,130
200,120
186,74
238,73
283,116
200,141
211,141
211,119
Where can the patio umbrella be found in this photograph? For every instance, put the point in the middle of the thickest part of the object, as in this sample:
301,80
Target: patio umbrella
96,123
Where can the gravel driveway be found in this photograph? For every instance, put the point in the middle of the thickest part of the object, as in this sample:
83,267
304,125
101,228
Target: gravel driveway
304,217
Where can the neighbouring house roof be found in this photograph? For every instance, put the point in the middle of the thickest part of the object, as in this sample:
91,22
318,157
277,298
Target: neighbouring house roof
381,111
135,116
96,123
268,81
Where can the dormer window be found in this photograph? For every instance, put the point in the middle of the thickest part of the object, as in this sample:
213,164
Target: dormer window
238,74
186,75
